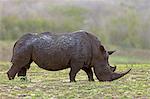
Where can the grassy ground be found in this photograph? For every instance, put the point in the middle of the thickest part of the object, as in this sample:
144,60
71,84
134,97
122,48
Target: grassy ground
55,85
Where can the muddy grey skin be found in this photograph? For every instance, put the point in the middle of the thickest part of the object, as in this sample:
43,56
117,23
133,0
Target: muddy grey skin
78,50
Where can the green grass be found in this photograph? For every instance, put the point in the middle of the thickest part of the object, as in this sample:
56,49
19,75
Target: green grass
47,84
128,59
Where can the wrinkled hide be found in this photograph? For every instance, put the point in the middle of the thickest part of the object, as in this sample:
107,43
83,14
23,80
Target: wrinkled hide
78,50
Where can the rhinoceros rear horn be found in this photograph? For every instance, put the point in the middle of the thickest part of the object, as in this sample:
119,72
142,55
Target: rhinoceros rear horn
113,68
119,75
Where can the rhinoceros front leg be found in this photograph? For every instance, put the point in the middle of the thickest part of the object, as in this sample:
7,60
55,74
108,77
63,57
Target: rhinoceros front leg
75,68
89,72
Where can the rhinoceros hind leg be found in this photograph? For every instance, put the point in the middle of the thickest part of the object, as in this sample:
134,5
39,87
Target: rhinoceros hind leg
89,72
23,70
12,72
18,67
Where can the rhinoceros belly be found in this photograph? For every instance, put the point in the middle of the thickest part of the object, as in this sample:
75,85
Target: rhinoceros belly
51,55
51,61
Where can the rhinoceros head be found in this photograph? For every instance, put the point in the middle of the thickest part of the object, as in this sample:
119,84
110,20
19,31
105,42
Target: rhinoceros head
102,68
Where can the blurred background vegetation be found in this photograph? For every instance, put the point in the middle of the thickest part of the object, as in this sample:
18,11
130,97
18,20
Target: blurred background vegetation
120,24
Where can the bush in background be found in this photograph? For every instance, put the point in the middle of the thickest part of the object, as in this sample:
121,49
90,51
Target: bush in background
115,24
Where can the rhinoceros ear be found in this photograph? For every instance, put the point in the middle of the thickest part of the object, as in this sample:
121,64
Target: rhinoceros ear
110,52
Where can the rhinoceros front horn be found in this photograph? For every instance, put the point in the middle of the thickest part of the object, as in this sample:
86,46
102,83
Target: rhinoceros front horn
119,75
108,75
